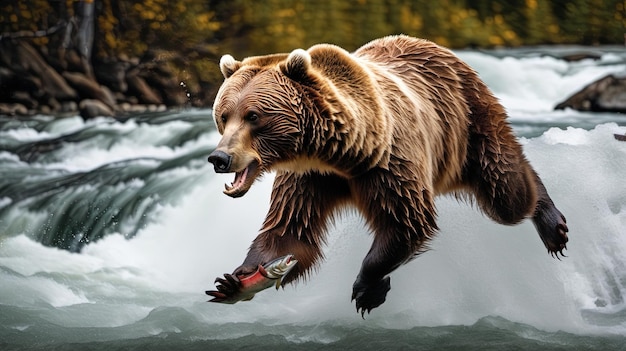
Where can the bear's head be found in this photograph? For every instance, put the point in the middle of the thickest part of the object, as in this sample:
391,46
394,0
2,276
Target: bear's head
262,111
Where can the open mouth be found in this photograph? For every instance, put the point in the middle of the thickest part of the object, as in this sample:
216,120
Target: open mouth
243,180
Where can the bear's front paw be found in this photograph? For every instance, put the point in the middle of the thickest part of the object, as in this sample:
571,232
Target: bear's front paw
370,295
231,289
227,289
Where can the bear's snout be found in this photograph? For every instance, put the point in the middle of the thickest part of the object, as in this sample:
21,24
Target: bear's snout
221,161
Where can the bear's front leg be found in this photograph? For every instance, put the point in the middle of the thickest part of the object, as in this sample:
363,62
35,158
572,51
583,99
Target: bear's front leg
372,284
295,225
402,217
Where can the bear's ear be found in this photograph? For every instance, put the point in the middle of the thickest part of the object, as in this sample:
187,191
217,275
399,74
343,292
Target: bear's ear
297,65
228,65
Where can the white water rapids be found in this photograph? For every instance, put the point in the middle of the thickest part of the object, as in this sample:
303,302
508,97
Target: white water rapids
476,268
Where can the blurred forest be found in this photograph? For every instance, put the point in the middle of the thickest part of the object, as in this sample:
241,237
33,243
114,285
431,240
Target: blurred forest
186,37
250,26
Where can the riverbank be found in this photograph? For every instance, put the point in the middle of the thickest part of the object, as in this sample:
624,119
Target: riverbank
32,82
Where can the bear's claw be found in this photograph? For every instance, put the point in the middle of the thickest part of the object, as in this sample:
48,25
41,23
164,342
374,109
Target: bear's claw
562,230
226,288
552,228
242,287
369,297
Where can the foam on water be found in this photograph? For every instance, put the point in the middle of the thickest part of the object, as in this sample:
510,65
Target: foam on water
476,268
538,84
140,140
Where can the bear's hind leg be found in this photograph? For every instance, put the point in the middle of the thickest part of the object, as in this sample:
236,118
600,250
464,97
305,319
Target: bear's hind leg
549,221
508,189
503,186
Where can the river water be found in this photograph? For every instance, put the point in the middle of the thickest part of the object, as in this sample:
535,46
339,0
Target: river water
111,230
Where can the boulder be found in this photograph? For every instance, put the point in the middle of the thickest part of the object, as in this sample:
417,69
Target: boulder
162,79
89,89
68,107
54,104
607,94
138,87
10,82
33,80
13,109
90,108
22,97
29,60
112,74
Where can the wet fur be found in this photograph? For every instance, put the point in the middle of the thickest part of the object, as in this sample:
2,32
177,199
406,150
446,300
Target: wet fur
385,129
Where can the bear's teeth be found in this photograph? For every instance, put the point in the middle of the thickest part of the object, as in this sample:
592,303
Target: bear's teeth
240,179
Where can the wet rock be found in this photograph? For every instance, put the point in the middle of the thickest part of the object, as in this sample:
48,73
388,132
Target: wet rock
138,87
613,98
89,89
73,62
126,99
22,97
13,109
10,82
113,75
90,108
163,80
68,106
607,94
157,108
131,108
27,60
45,109
55,82
579,56
6,82
54,104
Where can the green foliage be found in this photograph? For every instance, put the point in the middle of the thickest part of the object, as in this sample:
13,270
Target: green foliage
131,27
246,27
280,25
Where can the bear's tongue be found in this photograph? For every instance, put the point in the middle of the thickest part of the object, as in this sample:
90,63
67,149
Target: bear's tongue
243,180
240,179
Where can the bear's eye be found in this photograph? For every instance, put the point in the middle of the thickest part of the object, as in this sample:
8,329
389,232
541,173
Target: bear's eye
252,117
223,118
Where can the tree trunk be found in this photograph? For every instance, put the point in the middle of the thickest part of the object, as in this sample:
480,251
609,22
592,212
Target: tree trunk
84,38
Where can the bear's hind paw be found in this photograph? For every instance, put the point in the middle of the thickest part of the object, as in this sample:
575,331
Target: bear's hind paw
552,228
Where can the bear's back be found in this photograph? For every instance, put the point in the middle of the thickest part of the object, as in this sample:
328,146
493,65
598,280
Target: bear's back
428,83
422,65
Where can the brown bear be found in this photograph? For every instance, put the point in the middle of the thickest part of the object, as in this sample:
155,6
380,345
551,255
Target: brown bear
385,129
